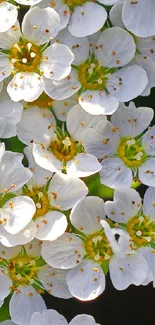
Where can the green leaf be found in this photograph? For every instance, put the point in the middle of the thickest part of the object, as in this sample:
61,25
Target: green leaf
4,310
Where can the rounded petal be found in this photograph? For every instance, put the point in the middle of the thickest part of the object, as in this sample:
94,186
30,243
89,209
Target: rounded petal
57,59
126,204
115,14
103,140
5,67
48,317
27,300
83,319
28,131
25,236
87,19
5,284
11,36
65,252
46,159
149,66
64,88
28,2
78,45
86,281
51,226
18,212
11,112
16,175
115,47
98,102
148,141
65,191
132,121
127,83
26,86
127,270
62,107
8,15
115,174
41,25
79,120
83,165
147,172
87,213
149,203
54,281
137,19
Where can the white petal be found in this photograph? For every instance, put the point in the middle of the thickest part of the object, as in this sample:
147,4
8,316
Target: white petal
28,131
127,83
46,159
115,47
98,102
148,141
11,112
61,8
147,172
25,236
41,25
54,281
87,19
26,86
103,140
64,88
146,46
87,213
83,165
27,300
18,212
149,203
8,16
5,67
149,255
65,252
16,175
48,317
51,226
79,120
115,174
149,66
28,2
62,107
5,284
57,59
64,191
127,270
8,253
86,281
33,248
83,319
137,19
79,46
132,121
116,14
40,176
126,205
11,36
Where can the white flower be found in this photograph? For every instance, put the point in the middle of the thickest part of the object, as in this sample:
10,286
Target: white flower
139,222
8,15
145,47
52,195
95,74
82,17
28,56
50,151
89,253
52,317
125,152
23,271
10,115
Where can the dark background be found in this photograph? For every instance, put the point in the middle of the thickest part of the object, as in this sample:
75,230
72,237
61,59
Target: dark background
135,305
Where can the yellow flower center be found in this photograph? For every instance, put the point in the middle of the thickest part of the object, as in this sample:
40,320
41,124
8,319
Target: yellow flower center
63,149
75,3
98,248
142,230
40,198
25,57
92,75
2,1
22,269
131,152
43,101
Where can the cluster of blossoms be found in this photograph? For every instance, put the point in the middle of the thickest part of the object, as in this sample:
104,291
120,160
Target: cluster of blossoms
66,73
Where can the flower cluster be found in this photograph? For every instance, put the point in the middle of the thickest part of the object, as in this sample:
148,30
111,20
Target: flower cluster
69,72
